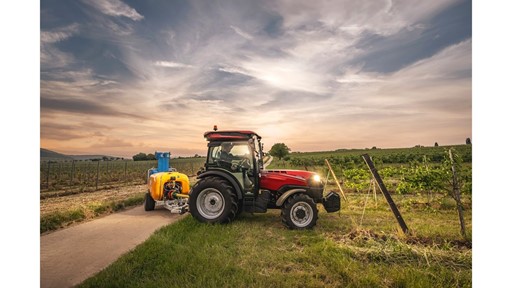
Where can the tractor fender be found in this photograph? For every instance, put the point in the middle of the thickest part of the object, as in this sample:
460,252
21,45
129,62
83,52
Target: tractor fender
287,194
226,176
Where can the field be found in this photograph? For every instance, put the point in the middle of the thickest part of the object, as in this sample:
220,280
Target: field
81,190
76,191
418,170
68,177
79,176
62,211
361,246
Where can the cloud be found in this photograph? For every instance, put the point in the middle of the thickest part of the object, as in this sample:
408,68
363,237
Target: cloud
115,8
59,34
448,62
119,28
380,17
241,32
234,70
170,64
109,142
389,53
358,78
69,131
50,56
82,106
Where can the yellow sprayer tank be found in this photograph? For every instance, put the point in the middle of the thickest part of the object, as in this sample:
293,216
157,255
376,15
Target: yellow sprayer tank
156,183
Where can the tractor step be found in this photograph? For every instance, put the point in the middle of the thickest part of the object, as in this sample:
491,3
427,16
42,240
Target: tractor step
258,205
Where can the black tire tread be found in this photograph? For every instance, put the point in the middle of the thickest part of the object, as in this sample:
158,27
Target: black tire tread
229,195
285,211
149,203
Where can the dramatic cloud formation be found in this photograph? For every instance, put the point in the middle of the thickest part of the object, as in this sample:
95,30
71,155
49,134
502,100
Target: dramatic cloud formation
115,8
122,77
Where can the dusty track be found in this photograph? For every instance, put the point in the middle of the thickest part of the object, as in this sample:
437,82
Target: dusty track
71,255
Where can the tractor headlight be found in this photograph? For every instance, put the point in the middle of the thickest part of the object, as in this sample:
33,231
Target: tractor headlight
315,181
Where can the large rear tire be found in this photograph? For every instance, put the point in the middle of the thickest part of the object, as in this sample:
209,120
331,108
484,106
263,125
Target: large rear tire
213,200
299,212
149,203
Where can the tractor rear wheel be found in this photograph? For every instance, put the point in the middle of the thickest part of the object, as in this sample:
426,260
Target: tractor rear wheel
149,203
213,200
299,212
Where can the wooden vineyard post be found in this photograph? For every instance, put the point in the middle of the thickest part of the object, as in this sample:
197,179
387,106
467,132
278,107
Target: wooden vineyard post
385,191
326,181
374,190
97,174
48,176
456,196
87,171
335,179
72,172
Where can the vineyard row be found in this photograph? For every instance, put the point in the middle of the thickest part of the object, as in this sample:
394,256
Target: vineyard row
92,175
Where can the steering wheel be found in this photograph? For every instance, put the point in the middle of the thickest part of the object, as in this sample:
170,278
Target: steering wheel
244,163
240,165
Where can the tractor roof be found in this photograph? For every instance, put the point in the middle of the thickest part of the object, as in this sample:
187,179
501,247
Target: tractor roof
230,135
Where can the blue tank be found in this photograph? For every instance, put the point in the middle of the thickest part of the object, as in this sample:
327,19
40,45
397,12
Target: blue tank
163,161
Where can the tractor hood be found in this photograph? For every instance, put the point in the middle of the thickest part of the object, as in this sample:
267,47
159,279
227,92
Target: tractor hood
275,179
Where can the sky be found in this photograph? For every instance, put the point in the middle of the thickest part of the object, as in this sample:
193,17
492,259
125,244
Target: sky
122,77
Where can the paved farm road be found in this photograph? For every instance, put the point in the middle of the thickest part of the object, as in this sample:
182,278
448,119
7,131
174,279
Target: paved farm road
71,255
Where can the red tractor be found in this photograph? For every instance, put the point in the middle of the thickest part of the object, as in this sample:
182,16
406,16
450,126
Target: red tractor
234,180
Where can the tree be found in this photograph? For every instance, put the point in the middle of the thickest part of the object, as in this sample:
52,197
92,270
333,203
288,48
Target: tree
468,141
140,157
279,150
436,145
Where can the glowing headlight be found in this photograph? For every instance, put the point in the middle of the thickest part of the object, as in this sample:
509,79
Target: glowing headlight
316,178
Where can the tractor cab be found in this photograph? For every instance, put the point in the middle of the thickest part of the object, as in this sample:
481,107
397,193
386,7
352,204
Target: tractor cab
237,154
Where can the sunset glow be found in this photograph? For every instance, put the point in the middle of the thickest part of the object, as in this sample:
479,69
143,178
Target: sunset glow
123,77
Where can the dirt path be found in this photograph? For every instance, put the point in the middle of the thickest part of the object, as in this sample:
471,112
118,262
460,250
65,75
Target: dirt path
71,255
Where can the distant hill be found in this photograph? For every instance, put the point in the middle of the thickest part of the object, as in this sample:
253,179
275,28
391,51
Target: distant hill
49,155
89,157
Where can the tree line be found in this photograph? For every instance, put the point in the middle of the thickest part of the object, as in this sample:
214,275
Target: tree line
143,157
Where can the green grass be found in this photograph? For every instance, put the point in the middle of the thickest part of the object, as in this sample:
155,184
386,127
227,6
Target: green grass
341,251
56,220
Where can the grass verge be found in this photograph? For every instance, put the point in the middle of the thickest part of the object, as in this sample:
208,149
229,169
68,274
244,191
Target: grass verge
60,219
344,250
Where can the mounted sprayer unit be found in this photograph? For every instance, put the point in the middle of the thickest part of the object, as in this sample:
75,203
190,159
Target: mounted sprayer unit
166,186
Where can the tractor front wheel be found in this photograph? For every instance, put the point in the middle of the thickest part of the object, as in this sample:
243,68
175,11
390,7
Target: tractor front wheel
299,212
149,203
213,200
